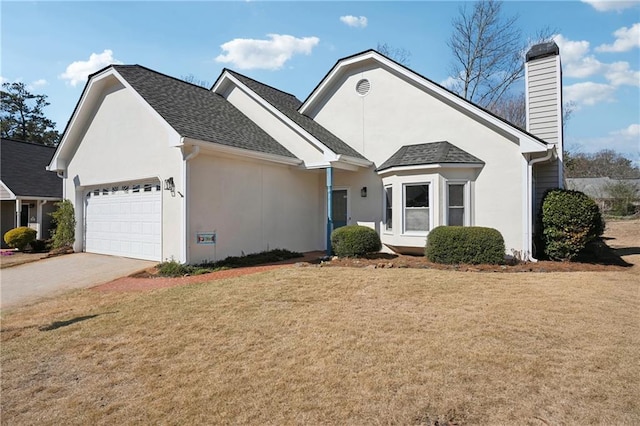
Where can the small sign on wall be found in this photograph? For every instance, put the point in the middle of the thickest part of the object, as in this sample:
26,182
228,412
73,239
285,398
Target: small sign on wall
206,238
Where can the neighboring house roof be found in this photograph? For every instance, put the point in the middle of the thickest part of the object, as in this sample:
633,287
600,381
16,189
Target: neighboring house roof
597,188
197,113
441,152
288,105
23,169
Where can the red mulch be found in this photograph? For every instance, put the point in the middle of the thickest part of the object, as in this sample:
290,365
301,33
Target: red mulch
601,258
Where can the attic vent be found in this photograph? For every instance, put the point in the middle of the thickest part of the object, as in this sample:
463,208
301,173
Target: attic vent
363,87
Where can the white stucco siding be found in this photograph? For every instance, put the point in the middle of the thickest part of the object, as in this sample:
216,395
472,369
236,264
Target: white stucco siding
253,206
396,112
276,126
125,142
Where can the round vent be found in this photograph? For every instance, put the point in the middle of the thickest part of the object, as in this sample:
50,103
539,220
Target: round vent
363,87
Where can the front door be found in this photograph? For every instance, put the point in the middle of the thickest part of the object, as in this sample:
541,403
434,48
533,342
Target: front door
340,210
24,215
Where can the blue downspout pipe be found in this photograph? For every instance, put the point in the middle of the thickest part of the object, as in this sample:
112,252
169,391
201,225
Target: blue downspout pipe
329,208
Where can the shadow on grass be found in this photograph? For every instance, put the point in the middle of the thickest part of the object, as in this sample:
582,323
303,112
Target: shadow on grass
59,324
599,253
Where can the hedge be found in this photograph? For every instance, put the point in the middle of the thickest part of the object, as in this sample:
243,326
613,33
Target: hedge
465,244
570,220
20,237
354,241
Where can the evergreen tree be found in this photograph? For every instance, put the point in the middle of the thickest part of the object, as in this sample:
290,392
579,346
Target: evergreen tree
22,117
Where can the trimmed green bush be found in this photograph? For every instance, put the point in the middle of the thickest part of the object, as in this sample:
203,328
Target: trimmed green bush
64,219
570,220
465,244
354,241
20,237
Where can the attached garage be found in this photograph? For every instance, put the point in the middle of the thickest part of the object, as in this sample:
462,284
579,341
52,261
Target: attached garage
124,220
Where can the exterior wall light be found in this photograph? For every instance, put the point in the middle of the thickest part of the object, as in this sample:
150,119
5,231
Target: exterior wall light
363,192
169,185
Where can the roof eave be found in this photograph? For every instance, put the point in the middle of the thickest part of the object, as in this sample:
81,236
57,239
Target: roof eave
241,152
414,167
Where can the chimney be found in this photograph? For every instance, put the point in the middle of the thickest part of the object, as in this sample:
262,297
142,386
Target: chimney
543,89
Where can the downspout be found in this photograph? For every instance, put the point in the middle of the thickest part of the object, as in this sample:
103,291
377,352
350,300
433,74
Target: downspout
185,204
530,190
329,207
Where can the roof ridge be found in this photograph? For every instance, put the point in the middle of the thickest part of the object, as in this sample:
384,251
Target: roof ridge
158,73
259,82
28,143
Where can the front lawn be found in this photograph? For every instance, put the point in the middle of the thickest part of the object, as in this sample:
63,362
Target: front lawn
333,346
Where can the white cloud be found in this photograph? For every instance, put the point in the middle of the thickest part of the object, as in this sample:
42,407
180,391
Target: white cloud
265,54
39,83
633,131
626,39
619,74
354,21
588,93
78,71
608,5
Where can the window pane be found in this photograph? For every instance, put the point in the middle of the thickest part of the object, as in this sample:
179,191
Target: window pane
388,208
417,196
456,216
456,195
416,219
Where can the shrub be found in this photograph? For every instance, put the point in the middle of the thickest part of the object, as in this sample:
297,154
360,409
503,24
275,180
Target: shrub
570,220
38,246
20,237
465,244
65,222
354,241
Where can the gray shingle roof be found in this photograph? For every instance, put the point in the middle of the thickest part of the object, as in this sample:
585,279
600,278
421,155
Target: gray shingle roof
289,105
429,153
198,113
23,169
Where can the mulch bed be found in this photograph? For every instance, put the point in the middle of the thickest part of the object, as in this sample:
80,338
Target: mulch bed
599,258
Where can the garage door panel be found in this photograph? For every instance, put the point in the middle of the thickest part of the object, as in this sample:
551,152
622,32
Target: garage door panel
125,220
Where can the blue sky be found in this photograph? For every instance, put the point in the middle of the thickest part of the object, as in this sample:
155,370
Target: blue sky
53,46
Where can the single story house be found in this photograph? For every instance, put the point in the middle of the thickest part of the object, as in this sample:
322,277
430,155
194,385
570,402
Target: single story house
599,189
28,192
158,168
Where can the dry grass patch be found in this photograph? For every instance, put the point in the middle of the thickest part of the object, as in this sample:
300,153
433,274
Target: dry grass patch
332,346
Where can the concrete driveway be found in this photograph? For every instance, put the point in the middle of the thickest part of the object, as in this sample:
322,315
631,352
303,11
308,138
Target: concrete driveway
29,282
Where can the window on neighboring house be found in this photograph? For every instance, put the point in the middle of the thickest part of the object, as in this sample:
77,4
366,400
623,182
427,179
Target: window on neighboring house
455,208
416,208
388,208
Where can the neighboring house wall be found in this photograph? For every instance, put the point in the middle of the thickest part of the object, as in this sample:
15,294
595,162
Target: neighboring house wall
126,141
253,206
7,218
396,112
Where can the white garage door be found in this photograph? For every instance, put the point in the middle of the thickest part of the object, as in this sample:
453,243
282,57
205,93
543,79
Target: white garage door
125,220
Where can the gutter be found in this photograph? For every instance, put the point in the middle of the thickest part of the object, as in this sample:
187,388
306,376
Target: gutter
185,205
529,201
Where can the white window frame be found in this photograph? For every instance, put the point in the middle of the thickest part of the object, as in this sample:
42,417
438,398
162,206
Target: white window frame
466,199
404,208
385,229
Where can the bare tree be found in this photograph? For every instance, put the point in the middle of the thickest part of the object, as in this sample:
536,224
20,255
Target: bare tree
398,54
488,52
194,80
513,108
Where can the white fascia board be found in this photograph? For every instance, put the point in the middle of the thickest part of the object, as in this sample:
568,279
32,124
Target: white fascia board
286,120
360,162
240,152
527,142
421,167
12,196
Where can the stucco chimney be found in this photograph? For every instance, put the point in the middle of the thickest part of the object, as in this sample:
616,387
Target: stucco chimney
543,88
